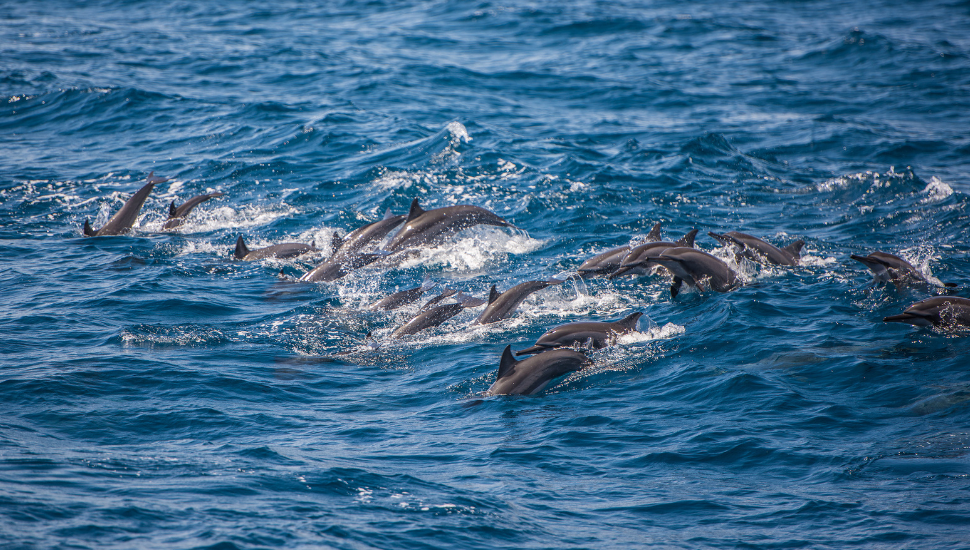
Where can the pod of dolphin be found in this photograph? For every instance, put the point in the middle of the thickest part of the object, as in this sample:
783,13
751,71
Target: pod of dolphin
562,349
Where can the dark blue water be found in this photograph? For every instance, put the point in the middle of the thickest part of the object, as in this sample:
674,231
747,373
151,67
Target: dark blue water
156,393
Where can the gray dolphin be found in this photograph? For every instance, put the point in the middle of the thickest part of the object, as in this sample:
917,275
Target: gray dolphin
347,254
402,298
122,221
432,226
941,311
177,215
152,178
285,250
607,262
436,315
502,304
636,262
695,267
598,334
889,268
532,374
759,250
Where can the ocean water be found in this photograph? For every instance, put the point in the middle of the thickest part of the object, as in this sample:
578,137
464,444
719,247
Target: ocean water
157,393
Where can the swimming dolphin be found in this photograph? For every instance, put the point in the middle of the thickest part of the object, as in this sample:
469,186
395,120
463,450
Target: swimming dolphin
177,215
636,262
432,226
434,316
285,250
609,261
941,311
402,298
694,267
347,254
760,251
598,334
532,374
502,304
122,221
887,267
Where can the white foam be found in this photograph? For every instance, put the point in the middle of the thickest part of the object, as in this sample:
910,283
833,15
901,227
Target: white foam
936,191
474,249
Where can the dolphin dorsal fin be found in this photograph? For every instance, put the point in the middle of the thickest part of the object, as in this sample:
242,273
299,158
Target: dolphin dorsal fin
387,214
415,211
172,211
241,249
336,241
493,294
688,239
630,321
654,234
507,364
88,231
795,248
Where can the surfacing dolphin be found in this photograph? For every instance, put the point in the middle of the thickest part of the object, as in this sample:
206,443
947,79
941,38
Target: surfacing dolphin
122,221
402,298
696,267
177,215
432,226
347,251
889,268
607,262
285,250
597,334
532,374
434,316
636,262
760,251
502,304
941,311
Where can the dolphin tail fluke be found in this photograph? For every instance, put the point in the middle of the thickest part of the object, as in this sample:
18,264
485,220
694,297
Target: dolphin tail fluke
688,239
469,301
241,249
507,364
88,230
795,249
630,321
654,234
415,210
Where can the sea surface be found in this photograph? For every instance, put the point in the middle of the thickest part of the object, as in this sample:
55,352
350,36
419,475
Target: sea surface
155,392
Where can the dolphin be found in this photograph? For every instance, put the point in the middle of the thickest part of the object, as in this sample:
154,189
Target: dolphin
887,267
636,261
598,334
502,304
608,262
285,250
693,267
760,251
122,221
403,297
434,316
347,254
941,311
432,226
532,374
177,215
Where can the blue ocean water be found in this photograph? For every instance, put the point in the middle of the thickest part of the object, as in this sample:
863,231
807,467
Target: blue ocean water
157,393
